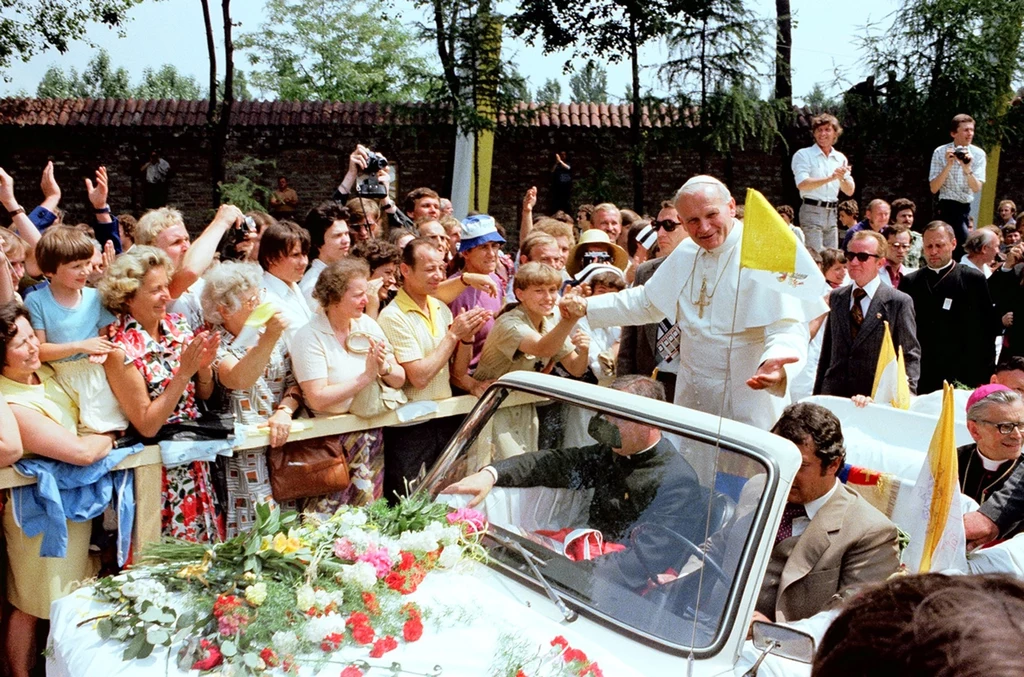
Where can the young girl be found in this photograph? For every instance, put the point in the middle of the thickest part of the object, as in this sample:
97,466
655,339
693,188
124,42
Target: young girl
527,335
68,319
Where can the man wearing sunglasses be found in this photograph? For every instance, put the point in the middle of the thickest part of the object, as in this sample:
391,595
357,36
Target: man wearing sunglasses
855,329
639,346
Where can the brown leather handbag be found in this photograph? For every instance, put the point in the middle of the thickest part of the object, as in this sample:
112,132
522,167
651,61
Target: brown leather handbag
311,467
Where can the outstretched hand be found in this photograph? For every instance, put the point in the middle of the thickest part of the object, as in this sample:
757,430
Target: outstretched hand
770,373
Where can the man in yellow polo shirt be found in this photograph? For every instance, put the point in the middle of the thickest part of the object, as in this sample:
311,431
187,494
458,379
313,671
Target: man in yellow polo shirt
425,338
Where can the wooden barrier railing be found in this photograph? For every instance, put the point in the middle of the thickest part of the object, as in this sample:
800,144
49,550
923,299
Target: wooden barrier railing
147,464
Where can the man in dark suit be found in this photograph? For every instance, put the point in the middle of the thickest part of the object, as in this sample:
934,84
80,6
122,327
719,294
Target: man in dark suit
855,330
638,346
956,321
637,477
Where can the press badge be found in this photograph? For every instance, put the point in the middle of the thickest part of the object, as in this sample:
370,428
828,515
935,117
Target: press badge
947,304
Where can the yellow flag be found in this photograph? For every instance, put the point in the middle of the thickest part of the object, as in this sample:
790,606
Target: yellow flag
942,464
768,243
885,371
902,400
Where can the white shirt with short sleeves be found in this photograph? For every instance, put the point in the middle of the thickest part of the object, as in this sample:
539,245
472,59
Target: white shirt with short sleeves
812,163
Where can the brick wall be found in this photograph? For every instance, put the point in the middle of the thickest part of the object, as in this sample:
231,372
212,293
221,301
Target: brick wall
314,158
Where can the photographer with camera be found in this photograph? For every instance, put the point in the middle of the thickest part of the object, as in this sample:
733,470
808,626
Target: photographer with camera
367,179
957,173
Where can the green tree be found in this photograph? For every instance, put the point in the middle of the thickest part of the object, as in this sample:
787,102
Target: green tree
589,84
957,56
167,83
615,30
99,80
56,84
820,102
30,27
550,91
333,50
515,88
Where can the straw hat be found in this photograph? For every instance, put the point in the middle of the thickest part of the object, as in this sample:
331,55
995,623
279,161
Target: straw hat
590,238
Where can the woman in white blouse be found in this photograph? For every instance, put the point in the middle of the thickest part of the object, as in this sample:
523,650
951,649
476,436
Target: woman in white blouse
338,354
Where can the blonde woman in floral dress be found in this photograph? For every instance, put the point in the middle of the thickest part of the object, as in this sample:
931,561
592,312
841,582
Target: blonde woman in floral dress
256,380
156,372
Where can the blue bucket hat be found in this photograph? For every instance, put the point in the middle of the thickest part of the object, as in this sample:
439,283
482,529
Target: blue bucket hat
478,230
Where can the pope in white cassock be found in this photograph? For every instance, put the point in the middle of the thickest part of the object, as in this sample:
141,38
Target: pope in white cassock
738,352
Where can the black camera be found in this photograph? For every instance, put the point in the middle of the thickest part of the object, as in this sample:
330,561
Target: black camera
596,257
962,153
367,184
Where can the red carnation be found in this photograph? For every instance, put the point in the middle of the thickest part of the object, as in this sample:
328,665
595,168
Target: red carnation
382,646
520,674
592,669
357,618
362,633
370,603
412,630
560,641
352,671
213,656
571,655
408,559
270,658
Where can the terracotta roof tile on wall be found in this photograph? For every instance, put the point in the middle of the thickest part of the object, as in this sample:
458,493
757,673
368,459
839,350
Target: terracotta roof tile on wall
173,113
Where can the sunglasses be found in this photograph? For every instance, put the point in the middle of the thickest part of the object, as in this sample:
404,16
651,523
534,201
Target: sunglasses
861,256
667,225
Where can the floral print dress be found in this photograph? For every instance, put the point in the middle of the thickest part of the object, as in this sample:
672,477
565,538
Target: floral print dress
190,510
246,473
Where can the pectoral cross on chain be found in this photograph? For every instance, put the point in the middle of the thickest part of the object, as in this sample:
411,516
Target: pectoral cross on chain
703,301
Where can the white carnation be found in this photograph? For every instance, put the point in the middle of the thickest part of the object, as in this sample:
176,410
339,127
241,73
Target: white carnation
285,642
361,574
322,597
305,598
417,541
450,556
351,519
319,627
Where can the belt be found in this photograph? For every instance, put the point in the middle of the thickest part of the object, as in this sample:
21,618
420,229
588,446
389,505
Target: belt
820,203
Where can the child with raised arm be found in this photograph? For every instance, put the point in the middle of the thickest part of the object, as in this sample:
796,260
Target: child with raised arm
70,322
531,335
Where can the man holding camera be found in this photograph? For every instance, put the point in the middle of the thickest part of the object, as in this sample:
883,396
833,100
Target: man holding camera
957,173
369,169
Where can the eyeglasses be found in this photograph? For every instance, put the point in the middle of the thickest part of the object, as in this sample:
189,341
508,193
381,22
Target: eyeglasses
667,225
1006,427
861,256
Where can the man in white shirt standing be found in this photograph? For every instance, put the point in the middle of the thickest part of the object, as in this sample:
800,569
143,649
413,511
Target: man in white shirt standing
820,172
957,172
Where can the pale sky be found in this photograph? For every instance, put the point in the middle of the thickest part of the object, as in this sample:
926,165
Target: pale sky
824,43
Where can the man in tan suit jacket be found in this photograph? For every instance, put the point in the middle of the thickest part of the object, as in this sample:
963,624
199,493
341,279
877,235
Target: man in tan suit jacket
830,539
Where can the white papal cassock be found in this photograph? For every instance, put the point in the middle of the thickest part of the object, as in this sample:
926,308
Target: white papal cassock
723,345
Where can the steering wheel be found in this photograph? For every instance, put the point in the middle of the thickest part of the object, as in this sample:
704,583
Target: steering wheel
710,565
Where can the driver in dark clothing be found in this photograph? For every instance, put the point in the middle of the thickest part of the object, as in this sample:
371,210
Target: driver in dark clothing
637,477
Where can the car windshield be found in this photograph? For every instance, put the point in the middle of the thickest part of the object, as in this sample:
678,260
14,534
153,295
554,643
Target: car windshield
640,524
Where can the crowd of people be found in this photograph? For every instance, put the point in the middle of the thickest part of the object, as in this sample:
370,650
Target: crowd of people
120,331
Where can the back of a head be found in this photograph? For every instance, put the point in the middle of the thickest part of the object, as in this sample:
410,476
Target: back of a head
928,625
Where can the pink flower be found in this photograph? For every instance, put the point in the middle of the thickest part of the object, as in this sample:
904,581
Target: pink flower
343,549
380,560
472,521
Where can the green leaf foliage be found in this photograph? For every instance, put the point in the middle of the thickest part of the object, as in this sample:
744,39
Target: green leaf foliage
333,50
30,27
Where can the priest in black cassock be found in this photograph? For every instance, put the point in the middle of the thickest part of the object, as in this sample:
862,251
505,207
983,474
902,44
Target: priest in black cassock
956,321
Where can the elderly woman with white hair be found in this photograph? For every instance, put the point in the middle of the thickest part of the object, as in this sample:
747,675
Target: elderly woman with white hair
256,379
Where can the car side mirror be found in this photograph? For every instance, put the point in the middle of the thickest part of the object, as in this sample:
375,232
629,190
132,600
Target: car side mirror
782,641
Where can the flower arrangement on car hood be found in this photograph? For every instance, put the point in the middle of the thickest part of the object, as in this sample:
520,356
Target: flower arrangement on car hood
291,591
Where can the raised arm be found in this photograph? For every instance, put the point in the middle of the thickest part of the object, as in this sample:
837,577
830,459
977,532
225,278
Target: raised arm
20,223
104,222
526,220
200,255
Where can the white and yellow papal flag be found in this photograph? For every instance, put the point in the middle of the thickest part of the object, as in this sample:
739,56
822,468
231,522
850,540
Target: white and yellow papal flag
773,255
891,385
932,513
